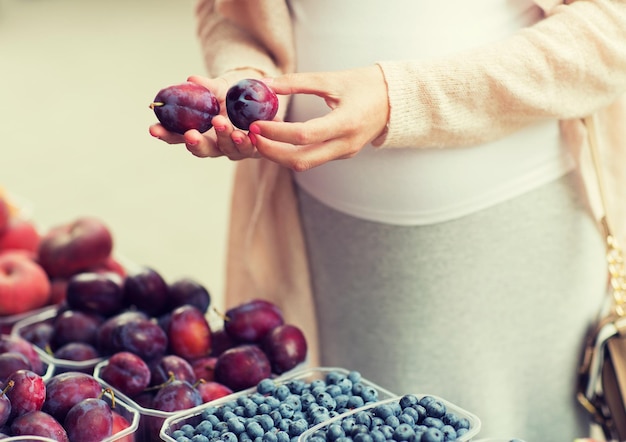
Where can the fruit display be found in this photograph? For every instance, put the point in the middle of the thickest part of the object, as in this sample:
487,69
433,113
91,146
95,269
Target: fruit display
250,100
167,363
185,106
69,407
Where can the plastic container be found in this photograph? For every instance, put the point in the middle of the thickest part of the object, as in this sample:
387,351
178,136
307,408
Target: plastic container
150,419
460,412
8,322
126,435
60,365
193,416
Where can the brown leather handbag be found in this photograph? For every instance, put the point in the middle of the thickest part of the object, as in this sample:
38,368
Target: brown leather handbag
602,372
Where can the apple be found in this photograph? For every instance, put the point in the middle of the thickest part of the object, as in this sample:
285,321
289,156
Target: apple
71,247
20,234
24,285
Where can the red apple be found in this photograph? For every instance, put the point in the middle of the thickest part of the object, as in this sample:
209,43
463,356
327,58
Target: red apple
69,248
20,234
24,285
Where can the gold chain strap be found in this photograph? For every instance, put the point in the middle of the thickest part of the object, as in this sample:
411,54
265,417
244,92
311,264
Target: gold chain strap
615,255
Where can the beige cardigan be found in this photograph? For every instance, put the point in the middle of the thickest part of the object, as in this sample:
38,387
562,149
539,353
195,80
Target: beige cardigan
569,65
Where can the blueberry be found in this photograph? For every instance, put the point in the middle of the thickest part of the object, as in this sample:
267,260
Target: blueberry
403,432
326,400
282,391
377,436
286,410
317,383
183,438
264,409
316,439
357,388
333,390
235,425
250,409
432,435
369,394
296,386
228,415
178,433
229,437
387,431
276,416
282,436
362,437
270,437
392,421
354,376
347,424
345,384
266,421
266,386
435,409
412,413
272,402
449,433
341,401
421,412
334,432
355,402
383,411
334,377
205,427
363,418
199,438
298,427
320,417
407,419
433,422
294,401
306,400
408,400
463,423
254,429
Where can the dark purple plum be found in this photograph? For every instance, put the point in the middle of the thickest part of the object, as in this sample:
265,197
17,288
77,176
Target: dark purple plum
171,366
90,420
11,362
127,373
286,347
188,291
251,321
185,106
27,394
96,292
144,337
250,100
189,333
147,291
75,326
221,341
176,395
11,343
108,329
242,367
5,406
204,368
76,351
39,334
65,390
39,423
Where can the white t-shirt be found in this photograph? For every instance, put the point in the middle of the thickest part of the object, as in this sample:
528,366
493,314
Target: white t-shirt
417,186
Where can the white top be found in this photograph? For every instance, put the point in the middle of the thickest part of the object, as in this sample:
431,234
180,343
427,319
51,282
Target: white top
413,186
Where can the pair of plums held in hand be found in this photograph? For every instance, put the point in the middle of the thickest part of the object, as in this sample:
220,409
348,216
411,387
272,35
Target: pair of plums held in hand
186,106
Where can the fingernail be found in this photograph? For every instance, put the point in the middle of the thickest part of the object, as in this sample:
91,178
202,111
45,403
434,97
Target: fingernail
255,129
220,128
192,143
252,137
237,140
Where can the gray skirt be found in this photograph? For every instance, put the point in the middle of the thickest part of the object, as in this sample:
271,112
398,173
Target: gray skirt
487,311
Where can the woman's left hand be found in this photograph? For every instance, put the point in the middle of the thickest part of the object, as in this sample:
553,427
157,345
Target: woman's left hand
359,113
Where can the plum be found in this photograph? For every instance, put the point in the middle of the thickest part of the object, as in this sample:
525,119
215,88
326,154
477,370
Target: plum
185,106
250,100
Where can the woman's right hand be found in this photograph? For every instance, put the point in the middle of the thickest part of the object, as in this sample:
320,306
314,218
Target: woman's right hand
223,139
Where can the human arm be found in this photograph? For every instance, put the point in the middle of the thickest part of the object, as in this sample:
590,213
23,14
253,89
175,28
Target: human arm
568,65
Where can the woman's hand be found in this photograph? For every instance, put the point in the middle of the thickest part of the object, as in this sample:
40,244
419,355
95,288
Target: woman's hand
222,140
359,114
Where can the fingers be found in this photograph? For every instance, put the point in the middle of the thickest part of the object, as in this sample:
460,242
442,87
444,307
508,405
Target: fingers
301,158
316,130
316,83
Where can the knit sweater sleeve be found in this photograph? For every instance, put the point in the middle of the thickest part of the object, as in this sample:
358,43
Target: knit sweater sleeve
243,34
565,66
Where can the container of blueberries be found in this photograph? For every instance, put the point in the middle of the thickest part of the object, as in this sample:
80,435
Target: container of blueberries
410,417
278,409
